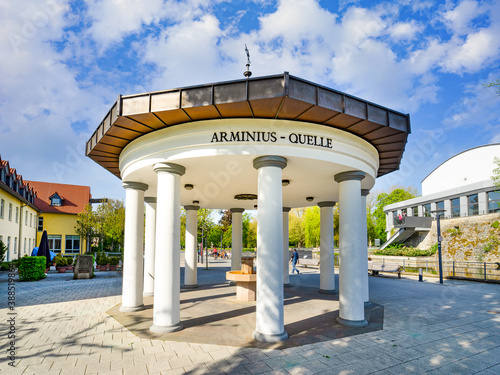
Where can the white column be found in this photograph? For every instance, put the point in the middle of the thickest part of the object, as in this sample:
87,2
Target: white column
352,256
132,285
270,325
149,247
236,238
166,309
482,198
364,239
191,252
447,207
286,251
464,206
327,255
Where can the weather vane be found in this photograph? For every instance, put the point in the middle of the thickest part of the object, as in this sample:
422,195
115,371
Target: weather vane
247,73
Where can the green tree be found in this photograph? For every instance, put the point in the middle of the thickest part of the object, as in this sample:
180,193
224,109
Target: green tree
384,199
86,224
252,233
495,84
296,234
111,215
312,226
496,172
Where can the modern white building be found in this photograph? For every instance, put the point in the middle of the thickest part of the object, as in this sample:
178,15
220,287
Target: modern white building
274,143
460,186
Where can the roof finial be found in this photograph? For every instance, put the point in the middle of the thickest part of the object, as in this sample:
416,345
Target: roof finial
247,73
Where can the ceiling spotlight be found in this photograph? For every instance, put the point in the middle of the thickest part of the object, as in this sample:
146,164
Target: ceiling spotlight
309,199
188,187
196,202
285,182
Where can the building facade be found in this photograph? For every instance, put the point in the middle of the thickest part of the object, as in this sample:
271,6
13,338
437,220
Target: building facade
18,213
59,206
461,186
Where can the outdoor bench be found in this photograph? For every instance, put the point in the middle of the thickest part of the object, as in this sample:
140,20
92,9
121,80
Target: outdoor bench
308,262
375,268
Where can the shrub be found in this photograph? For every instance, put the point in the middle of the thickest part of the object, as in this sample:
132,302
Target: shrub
60,261
113,261
70,260
399,250
102,259
32,268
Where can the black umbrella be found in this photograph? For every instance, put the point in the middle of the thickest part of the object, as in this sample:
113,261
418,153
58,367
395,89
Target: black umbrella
43,248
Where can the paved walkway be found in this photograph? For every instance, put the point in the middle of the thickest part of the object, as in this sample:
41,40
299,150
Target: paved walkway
62,327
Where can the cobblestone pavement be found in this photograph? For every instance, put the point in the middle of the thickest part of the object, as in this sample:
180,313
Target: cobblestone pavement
62,328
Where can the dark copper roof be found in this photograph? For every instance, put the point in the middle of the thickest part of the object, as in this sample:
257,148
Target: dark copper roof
277,97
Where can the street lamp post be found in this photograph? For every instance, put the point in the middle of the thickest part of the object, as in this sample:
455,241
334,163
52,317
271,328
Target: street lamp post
439,238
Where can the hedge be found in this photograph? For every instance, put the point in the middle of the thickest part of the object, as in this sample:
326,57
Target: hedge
32,268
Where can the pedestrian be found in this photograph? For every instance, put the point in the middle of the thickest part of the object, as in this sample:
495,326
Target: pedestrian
295,260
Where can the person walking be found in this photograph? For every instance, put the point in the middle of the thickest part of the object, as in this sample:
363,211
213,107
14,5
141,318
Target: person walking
295,260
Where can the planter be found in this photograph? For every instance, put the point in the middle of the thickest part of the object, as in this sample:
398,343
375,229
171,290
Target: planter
112,267
102,268
70,268
61,269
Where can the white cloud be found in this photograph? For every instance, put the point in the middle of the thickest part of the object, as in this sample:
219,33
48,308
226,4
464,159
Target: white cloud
41,97
479,49
405,31
458,20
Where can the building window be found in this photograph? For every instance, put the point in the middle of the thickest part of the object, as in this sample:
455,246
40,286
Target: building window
494,201
473,204
55,200
2,204
427,210
40,224
455,207
415,211
25,246
10,211
15,245
440,205
17,214
26,219
8,243
29,245
72,244
31,219
55,242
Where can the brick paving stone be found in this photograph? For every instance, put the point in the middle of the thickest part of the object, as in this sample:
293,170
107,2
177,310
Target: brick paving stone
180,362
112,372
154,367
257,367
135,370
72,333
201,358
94,368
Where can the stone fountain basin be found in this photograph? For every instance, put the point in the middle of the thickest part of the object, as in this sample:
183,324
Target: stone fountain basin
238,276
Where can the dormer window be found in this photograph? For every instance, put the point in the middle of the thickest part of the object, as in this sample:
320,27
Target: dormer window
4,176
55,200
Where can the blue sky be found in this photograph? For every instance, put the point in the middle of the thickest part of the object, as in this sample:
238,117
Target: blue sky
65,62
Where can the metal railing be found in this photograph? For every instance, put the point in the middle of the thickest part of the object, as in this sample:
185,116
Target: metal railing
479,271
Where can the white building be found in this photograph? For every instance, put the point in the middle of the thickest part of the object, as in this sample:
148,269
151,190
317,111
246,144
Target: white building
273,143
461,186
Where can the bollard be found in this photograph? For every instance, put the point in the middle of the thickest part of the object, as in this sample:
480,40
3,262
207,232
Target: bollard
420,274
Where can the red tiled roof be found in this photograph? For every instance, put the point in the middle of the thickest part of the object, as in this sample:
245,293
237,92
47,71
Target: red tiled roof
75,197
